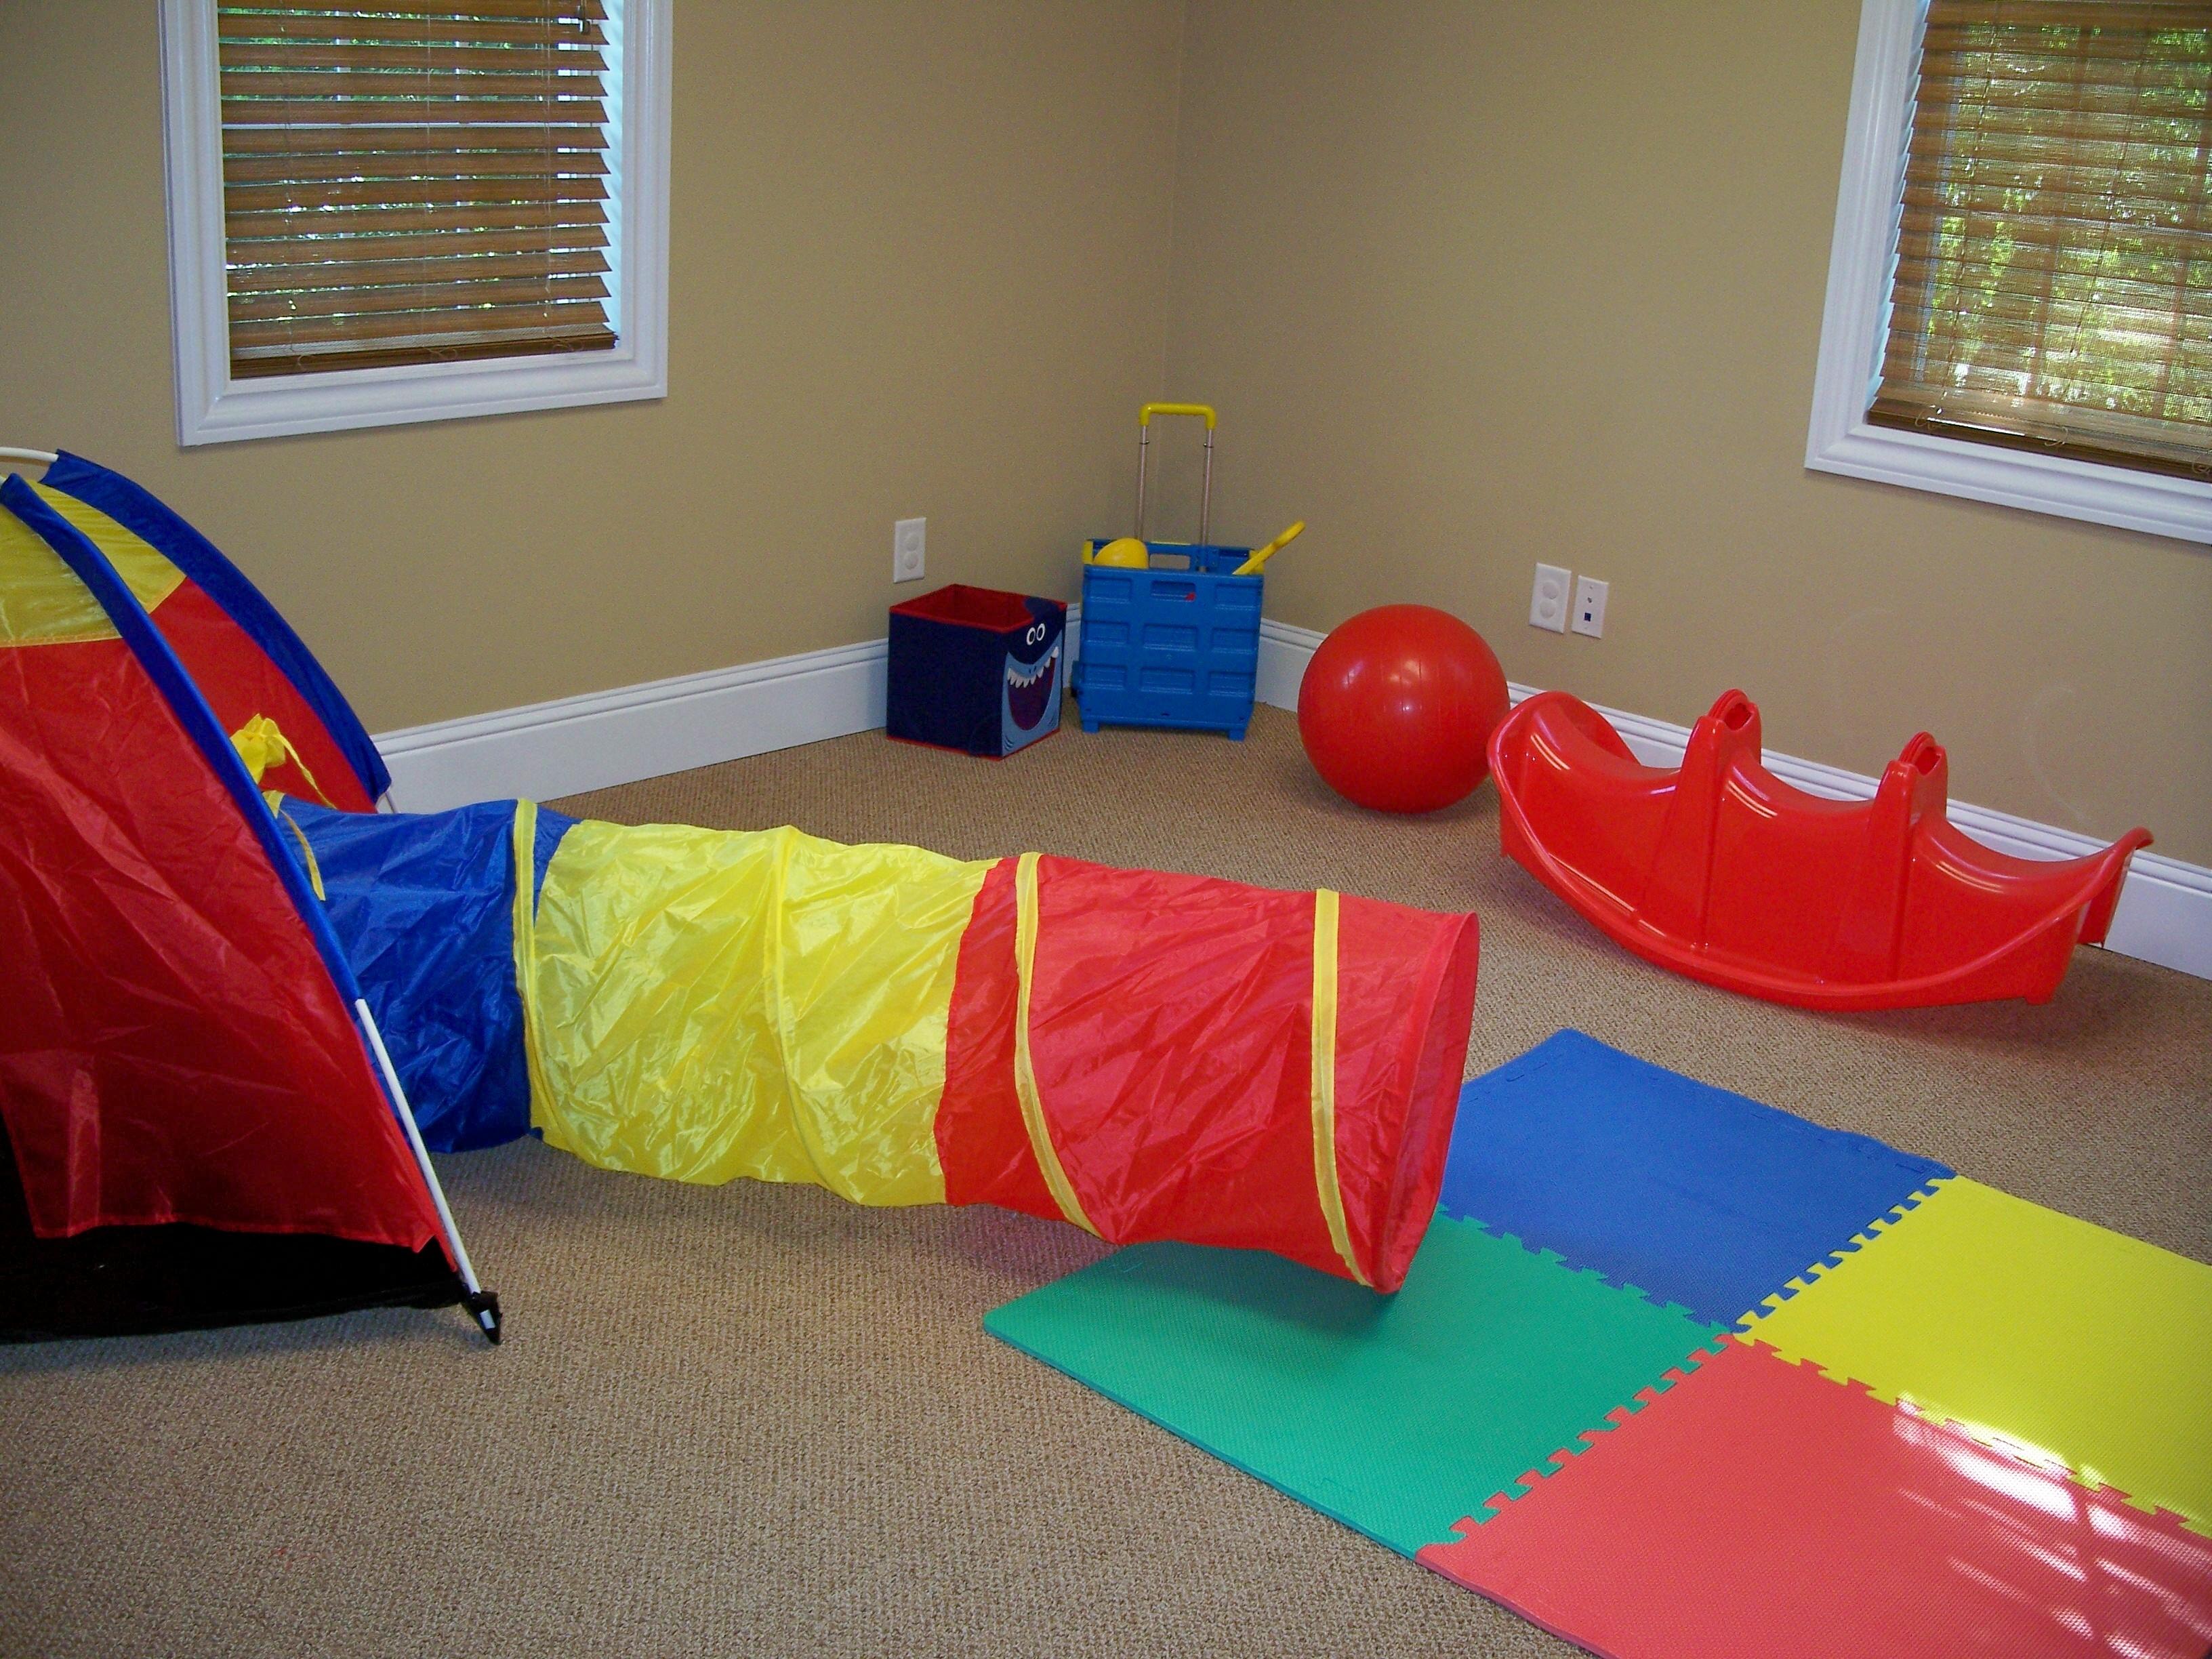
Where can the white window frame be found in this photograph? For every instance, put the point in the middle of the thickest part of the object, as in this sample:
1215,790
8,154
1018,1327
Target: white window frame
1855,330
213,408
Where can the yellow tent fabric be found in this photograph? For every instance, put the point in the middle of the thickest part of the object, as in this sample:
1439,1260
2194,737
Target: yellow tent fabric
710,1004
42,602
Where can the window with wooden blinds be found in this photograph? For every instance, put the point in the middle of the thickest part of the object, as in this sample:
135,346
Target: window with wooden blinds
415,181
2053,279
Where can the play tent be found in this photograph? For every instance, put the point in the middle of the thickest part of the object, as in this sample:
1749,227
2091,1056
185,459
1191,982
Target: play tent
215,949
198,1123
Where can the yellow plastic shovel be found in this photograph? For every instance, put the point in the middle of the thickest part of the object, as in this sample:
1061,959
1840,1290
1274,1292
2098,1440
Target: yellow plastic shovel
1259,555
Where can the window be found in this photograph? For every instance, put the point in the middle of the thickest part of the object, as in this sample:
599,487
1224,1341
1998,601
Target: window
388,210
2019,293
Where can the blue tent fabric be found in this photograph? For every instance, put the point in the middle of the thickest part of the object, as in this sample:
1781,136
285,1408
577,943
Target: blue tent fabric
423,906
1690,1193
150,520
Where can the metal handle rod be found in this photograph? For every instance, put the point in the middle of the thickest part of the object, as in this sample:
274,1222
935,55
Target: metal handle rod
35,457
1205,494
485,1309
1144,454
1144,447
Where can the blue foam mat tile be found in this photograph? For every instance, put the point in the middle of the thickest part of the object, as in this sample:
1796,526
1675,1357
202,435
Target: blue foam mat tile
1688,1193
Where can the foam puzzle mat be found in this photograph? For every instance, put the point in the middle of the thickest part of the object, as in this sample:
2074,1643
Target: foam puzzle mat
1761,1508
1383,1412
1946,1421
1693,1193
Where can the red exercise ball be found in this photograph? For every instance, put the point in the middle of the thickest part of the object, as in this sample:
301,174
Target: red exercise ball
1397,708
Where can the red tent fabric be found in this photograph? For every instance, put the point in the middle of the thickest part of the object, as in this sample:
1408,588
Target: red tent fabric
174,1045
241,655
242,684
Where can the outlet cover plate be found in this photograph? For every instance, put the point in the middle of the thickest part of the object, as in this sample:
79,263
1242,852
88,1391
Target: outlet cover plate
1589,608
1547,601
909,549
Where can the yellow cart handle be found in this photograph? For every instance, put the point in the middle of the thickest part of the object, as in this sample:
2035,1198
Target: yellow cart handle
1205,412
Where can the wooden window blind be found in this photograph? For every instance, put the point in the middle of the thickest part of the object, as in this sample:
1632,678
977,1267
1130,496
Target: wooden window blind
410,181
2053,285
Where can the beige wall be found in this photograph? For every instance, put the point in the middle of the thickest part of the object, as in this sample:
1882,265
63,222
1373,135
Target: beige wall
919,263
1482,284
1474,284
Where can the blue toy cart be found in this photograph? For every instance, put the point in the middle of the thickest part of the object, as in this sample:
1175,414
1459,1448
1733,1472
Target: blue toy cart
1175,643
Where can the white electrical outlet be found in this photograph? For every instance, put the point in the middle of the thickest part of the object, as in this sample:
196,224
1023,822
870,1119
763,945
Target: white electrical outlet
910,544
1589,608
1547,605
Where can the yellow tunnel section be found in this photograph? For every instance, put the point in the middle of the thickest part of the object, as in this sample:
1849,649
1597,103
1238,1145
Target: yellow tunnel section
707,1004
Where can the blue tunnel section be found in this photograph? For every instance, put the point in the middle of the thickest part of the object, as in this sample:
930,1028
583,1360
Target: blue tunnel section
423,906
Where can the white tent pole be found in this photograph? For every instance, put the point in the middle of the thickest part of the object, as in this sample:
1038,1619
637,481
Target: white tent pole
33,457
485,1306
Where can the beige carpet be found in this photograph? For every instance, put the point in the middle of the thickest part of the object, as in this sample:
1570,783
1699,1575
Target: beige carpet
758,1421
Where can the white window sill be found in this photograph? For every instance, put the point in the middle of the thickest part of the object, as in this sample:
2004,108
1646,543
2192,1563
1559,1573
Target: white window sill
419,391
2155,504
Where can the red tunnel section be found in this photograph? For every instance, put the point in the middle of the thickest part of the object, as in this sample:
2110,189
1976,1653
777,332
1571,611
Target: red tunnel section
1172,1037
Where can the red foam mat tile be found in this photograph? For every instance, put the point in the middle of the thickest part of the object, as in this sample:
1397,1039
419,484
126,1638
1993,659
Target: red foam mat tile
1756,1508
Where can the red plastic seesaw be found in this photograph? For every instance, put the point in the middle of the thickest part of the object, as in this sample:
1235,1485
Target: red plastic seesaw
1723,872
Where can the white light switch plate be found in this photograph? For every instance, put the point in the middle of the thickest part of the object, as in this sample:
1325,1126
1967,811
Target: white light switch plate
909,546
1589,608
1548,602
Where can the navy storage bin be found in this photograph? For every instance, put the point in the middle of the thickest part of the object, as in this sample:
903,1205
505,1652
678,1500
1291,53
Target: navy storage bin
1177,648
975,669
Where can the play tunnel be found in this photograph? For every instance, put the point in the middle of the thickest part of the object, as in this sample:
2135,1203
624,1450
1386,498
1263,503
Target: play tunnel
1143,1054
209,944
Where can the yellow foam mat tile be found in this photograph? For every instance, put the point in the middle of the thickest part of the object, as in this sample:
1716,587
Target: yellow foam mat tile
2029,1329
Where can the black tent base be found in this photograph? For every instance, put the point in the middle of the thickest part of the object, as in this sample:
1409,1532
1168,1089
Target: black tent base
114,1281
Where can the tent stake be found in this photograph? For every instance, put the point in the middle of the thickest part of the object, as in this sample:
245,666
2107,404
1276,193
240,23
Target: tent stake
483,1303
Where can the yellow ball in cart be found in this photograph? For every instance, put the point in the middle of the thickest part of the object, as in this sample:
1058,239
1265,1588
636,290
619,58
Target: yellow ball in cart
1126,554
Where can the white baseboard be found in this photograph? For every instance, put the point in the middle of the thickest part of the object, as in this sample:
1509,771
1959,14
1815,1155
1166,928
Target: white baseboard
2165,913
549,750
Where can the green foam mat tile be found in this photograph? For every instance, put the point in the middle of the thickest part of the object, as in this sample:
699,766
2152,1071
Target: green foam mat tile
1397,1415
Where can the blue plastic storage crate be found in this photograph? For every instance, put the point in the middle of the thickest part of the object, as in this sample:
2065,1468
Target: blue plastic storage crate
1170,647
